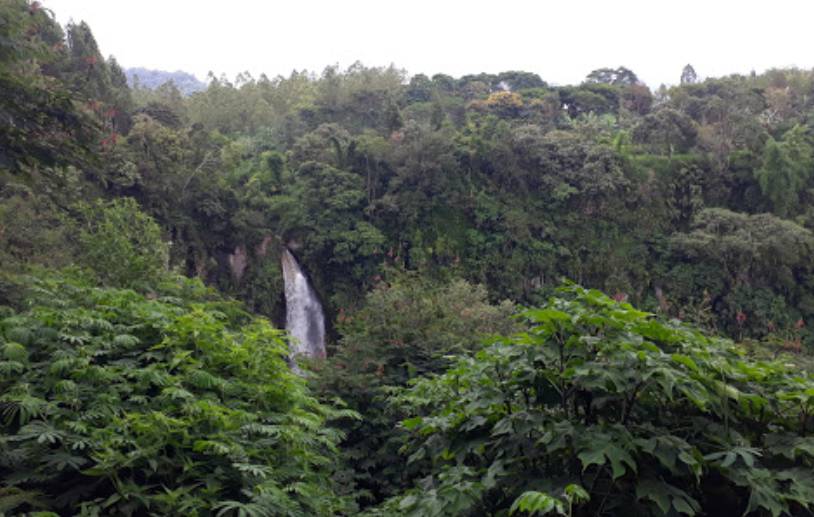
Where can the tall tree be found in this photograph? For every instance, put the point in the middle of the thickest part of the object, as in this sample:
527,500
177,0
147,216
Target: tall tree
666,131
120,98
88,72
688,75
785,171
39,122
616,76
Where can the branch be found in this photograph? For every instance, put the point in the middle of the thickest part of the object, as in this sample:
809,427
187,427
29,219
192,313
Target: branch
197,169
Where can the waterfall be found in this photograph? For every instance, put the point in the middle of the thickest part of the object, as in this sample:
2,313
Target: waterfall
304,318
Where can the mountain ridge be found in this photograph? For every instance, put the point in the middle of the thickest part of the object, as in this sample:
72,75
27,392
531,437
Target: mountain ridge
151,79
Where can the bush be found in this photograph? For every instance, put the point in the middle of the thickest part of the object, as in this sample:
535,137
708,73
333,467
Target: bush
408,328
121,244
601,409
115,404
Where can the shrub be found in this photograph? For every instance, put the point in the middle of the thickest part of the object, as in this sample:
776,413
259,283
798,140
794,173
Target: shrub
406,329
601,409
116,404
121,244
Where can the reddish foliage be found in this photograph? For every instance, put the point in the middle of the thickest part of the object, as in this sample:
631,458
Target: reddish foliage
109,141
792,345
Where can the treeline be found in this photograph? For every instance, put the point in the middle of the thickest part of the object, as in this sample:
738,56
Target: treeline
691,200
426,211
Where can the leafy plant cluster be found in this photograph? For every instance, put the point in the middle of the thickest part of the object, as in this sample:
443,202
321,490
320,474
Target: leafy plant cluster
117,404
409,327
601,409
122,244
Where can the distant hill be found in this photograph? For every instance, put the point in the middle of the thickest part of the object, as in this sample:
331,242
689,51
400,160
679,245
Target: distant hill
184,81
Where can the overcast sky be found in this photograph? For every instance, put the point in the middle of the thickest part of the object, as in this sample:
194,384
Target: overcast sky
562,41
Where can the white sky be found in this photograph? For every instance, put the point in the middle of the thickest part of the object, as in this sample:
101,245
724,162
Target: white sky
560,40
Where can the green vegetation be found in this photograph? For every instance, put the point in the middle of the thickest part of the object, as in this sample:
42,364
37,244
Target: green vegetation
406,330
601,408
121,243
115,404
142,371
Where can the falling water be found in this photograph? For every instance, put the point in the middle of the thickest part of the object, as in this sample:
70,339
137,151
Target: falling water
304,319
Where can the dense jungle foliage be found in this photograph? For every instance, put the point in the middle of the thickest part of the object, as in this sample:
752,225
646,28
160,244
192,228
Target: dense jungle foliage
142,371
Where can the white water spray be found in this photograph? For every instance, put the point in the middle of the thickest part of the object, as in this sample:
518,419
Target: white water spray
304,318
